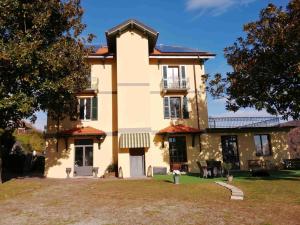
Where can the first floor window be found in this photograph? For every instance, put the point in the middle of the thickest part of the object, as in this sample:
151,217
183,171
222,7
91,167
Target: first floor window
262,144
88,108
177,149
176,107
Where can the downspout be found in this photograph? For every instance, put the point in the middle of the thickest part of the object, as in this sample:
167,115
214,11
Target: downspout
197,107
57,132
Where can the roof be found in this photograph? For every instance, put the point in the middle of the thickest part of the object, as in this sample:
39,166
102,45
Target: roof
83,131
175,50
179,129
162,50
293,123
152,35
112,33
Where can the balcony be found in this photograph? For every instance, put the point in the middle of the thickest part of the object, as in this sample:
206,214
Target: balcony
93,84
174,85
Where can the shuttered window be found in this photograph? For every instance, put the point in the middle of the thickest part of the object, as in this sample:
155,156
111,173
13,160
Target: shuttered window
88,108
95,108
183,76
172,107
165,76
166,108
185,110
175,109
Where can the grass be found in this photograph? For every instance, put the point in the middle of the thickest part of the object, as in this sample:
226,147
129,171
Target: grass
238,176
269,200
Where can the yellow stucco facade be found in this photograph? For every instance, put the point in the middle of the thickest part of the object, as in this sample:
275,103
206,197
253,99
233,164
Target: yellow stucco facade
130,100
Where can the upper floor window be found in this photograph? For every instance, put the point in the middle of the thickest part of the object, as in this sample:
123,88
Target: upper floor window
88,108
176,107
262,144
174,77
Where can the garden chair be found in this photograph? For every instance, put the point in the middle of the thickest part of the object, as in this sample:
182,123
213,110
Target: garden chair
203,168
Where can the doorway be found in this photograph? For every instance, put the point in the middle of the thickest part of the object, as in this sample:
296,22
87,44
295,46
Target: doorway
230,150
173,77
83,165
137,162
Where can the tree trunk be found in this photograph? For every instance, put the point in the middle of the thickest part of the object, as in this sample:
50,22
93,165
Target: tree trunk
0,168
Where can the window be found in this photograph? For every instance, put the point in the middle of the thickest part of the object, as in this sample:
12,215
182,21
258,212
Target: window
177,149
176,107
174,77
88,108
262,144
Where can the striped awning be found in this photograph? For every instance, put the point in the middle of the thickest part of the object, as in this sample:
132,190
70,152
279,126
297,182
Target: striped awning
135,140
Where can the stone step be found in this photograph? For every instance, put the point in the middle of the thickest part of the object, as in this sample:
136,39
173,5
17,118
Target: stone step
236,193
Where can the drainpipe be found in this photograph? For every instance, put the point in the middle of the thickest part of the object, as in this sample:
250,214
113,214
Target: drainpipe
197,107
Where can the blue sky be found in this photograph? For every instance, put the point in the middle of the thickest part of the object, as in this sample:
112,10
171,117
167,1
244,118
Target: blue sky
208,25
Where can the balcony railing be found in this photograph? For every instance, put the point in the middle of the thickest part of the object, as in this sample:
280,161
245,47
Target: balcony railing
93,83
242,122
174,85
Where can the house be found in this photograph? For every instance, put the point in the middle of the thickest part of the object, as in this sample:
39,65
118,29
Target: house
146,112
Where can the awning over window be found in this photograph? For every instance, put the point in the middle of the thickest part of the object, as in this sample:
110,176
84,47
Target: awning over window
135,140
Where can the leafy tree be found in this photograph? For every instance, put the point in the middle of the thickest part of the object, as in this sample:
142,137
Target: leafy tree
266,64
42,58
30,141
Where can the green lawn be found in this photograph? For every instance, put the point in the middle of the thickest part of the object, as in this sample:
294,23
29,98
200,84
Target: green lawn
238,176
270,200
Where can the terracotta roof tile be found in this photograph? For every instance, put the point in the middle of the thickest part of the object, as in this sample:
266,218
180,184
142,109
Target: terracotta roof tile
83,131
293,123
173,129
102,50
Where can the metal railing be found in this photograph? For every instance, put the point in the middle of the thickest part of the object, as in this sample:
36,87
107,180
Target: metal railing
242,122
93,83
175,84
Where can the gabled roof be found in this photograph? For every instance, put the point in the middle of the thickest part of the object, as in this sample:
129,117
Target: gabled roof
155,51
112,33
179,129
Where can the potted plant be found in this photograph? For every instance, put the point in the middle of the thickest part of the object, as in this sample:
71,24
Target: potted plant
227,167
110,171
176,175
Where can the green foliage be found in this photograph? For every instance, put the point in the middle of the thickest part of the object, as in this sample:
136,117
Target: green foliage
42,58
227,167
266,64
31,141
111,168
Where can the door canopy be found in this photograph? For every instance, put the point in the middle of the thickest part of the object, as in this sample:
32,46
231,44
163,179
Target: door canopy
179,129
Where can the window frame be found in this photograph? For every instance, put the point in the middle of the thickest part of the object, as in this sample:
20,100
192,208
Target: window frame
84,111
180,67
181,109
183,154
261,145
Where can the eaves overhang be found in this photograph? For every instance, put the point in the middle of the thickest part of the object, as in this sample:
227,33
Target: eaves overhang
131,24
